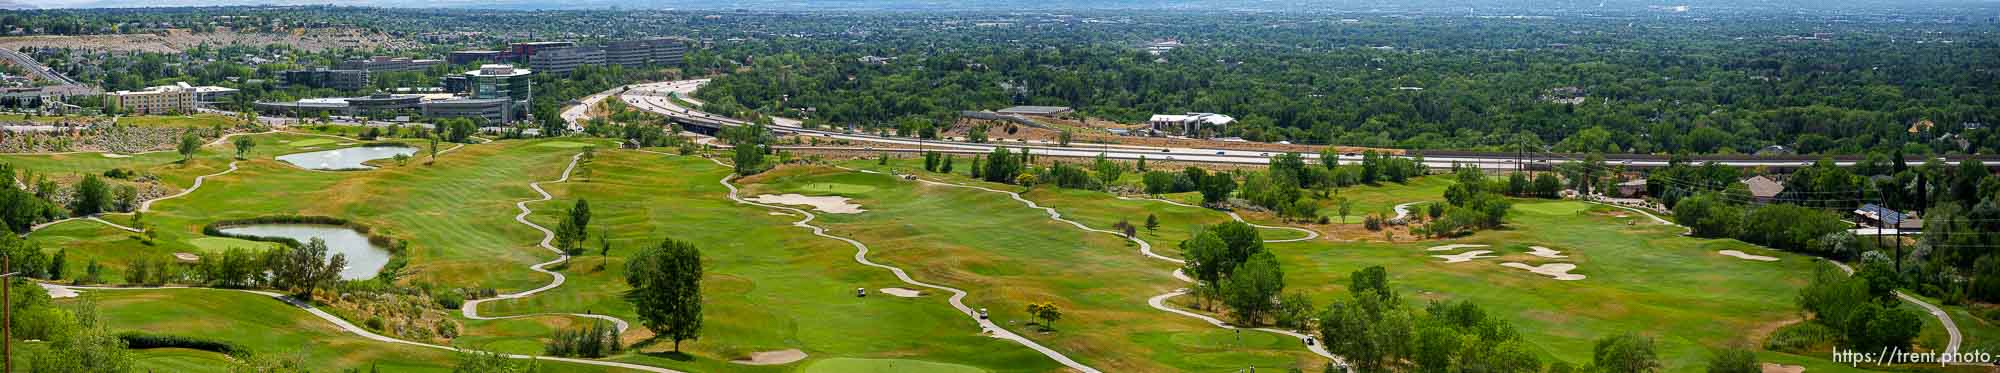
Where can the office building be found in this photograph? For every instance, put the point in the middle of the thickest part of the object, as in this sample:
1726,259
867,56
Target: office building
155,100
491,110
565,60
349,80
472,57
385,64
500,81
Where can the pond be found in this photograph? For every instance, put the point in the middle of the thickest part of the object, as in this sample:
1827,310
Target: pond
345,158
363,259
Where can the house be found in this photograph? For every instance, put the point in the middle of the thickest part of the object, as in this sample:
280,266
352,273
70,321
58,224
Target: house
1189,124
1763,189
1884,217
1632,189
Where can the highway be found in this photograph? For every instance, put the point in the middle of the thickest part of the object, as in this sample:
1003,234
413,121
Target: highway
655,97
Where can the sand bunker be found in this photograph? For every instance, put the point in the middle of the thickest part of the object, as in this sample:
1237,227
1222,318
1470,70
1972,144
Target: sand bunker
1747,256
58,291
115,155
826,204
1452,247
190,257
900,292
1466,256
775,213
1781,368
1546,252
772,357
1558,271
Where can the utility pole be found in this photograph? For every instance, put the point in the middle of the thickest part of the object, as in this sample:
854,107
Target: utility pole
7,311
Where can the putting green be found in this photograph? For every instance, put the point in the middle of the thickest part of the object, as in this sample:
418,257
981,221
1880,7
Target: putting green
564,144
837,188
310,142
220,244
842,365
179,360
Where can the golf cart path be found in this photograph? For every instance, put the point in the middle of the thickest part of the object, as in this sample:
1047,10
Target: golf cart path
1950,328
471,307
364,333
1160,301
957,299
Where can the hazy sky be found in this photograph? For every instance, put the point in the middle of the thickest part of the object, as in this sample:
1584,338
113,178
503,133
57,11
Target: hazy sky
1009,4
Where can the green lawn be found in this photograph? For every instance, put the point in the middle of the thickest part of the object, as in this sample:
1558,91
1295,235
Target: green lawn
1007,256
265,325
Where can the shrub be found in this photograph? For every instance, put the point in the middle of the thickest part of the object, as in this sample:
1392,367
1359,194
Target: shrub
375,323
138,340
1800,337
450,300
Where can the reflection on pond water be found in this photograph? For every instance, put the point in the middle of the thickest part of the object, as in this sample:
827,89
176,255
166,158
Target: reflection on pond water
345,158
363,258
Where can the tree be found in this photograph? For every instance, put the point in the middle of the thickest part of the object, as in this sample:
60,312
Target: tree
306,268
188,145
1346,207
666,290
434,149
1625,353
243,146
56,264
92,197
574,229
1046,312
1733,361
1215,189
473,361
1252,287
1152,222
1062,139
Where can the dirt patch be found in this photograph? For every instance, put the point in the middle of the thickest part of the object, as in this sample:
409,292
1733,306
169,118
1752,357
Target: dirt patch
778,357
1546,252
826,204
1781,368
1747,256
1465,256
1452,247
900,292
1558,271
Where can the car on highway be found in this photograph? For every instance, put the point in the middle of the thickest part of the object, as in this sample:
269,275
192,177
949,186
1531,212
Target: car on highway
1164,150
1218,153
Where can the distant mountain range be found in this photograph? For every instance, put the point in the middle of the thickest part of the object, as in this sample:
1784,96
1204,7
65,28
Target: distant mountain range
1052,5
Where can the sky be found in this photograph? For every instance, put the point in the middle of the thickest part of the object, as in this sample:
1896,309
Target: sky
1002,4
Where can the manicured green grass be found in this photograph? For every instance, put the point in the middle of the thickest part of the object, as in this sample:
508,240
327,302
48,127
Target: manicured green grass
263,324
565,144
769,285
848,365
179,360
1643,279
1008,256
311,142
